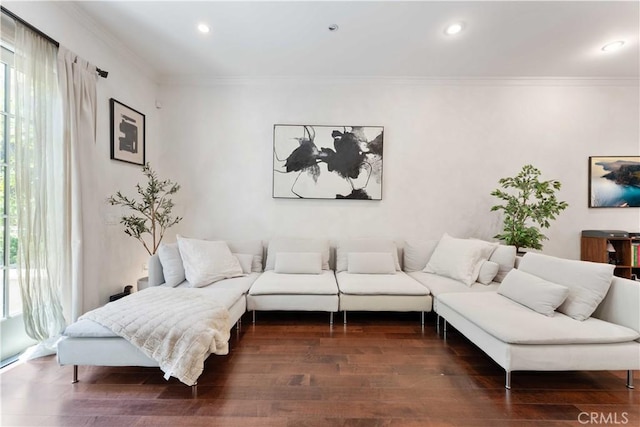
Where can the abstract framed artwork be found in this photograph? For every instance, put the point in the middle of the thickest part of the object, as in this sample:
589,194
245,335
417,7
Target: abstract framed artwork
127,133
327,162
614,182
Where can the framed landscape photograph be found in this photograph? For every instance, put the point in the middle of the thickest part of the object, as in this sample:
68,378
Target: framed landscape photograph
614,182
127,133
327,162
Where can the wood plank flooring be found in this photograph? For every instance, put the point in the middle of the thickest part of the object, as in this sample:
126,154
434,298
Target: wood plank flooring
292,369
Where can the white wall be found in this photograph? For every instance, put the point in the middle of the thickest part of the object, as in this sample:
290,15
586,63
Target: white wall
446,145
111,259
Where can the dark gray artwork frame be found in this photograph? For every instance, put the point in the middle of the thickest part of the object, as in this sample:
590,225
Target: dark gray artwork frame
127,133
614,181
327,162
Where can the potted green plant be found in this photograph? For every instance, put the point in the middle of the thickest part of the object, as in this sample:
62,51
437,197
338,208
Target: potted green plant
151,210
528,204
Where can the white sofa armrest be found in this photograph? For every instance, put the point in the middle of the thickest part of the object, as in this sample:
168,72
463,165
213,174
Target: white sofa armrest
621,305
155,271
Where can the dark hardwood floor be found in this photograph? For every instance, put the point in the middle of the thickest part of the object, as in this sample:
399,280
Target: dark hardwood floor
292,369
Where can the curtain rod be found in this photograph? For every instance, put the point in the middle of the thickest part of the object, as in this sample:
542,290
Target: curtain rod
101,73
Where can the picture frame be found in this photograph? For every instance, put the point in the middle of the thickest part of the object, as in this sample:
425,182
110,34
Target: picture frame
127,133
327,162
614,181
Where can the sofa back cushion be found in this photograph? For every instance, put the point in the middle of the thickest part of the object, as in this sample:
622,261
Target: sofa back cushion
588,282
347,246
370,263
253,247
297,245
417,254
505,256
172,267
298,263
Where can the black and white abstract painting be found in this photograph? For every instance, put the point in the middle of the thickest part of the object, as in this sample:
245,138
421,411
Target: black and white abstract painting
327,162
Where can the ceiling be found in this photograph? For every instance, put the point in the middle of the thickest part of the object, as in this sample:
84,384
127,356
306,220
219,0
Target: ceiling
376,39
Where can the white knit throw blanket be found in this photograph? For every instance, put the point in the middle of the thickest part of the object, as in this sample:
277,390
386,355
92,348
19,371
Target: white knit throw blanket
178,328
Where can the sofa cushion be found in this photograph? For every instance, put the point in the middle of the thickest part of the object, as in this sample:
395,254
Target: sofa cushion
348,246
512,323
206,261
531,291
272,283
172,267
370,263
588,282
505,256
416,254
440,284
246,262
253,247
488,271
459,259
297,245
298,263
379,284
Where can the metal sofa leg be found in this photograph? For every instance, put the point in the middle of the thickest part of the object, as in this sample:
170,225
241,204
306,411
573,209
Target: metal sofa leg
194,390
444,328
630,380
344,317
507,380
254,317
422,318
438,324
75,374
331,318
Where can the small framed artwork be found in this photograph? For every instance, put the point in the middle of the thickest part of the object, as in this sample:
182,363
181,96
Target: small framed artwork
614,182
327,162
127,133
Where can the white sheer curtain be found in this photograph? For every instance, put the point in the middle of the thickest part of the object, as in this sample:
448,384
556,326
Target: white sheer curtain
77,79
40,186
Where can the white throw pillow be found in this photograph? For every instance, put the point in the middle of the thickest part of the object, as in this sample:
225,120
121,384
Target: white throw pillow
371,263
488,271
416,254
172,268
206,262
298,263
348,246
459,259
588,282
533,292
298,246
246,262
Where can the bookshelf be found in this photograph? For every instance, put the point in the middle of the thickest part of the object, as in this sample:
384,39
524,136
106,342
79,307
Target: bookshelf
625,255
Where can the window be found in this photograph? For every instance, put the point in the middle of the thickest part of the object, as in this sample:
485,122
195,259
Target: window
10,298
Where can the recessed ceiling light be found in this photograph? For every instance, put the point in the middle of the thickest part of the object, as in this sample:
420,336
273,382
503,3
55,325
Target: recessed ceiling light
454,28
613,46
203,28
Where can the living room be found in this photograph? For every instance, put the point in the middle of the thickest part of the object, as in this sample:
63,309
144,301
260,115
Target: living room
522,83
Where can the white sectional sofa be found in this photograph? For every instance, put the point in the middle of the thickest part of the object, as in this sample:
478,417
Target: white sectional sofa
370,279
496,316
519,338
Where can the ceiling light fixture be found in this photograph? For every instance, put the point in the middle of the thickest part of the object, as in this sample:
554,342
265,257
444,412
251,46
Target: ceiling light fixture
613,46
454,28
203,28
333,27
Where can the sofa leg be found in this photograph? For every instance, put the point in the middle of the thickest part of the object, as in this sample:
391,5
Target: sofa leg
194,390
630,380
331,318
422,318
438,324
507,380
75,374
444,329
254,317
344,317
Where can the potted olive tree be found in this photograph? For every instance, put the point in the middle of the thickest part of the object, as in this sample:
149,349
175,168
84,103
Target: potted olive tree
151,210
529,205
151,213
